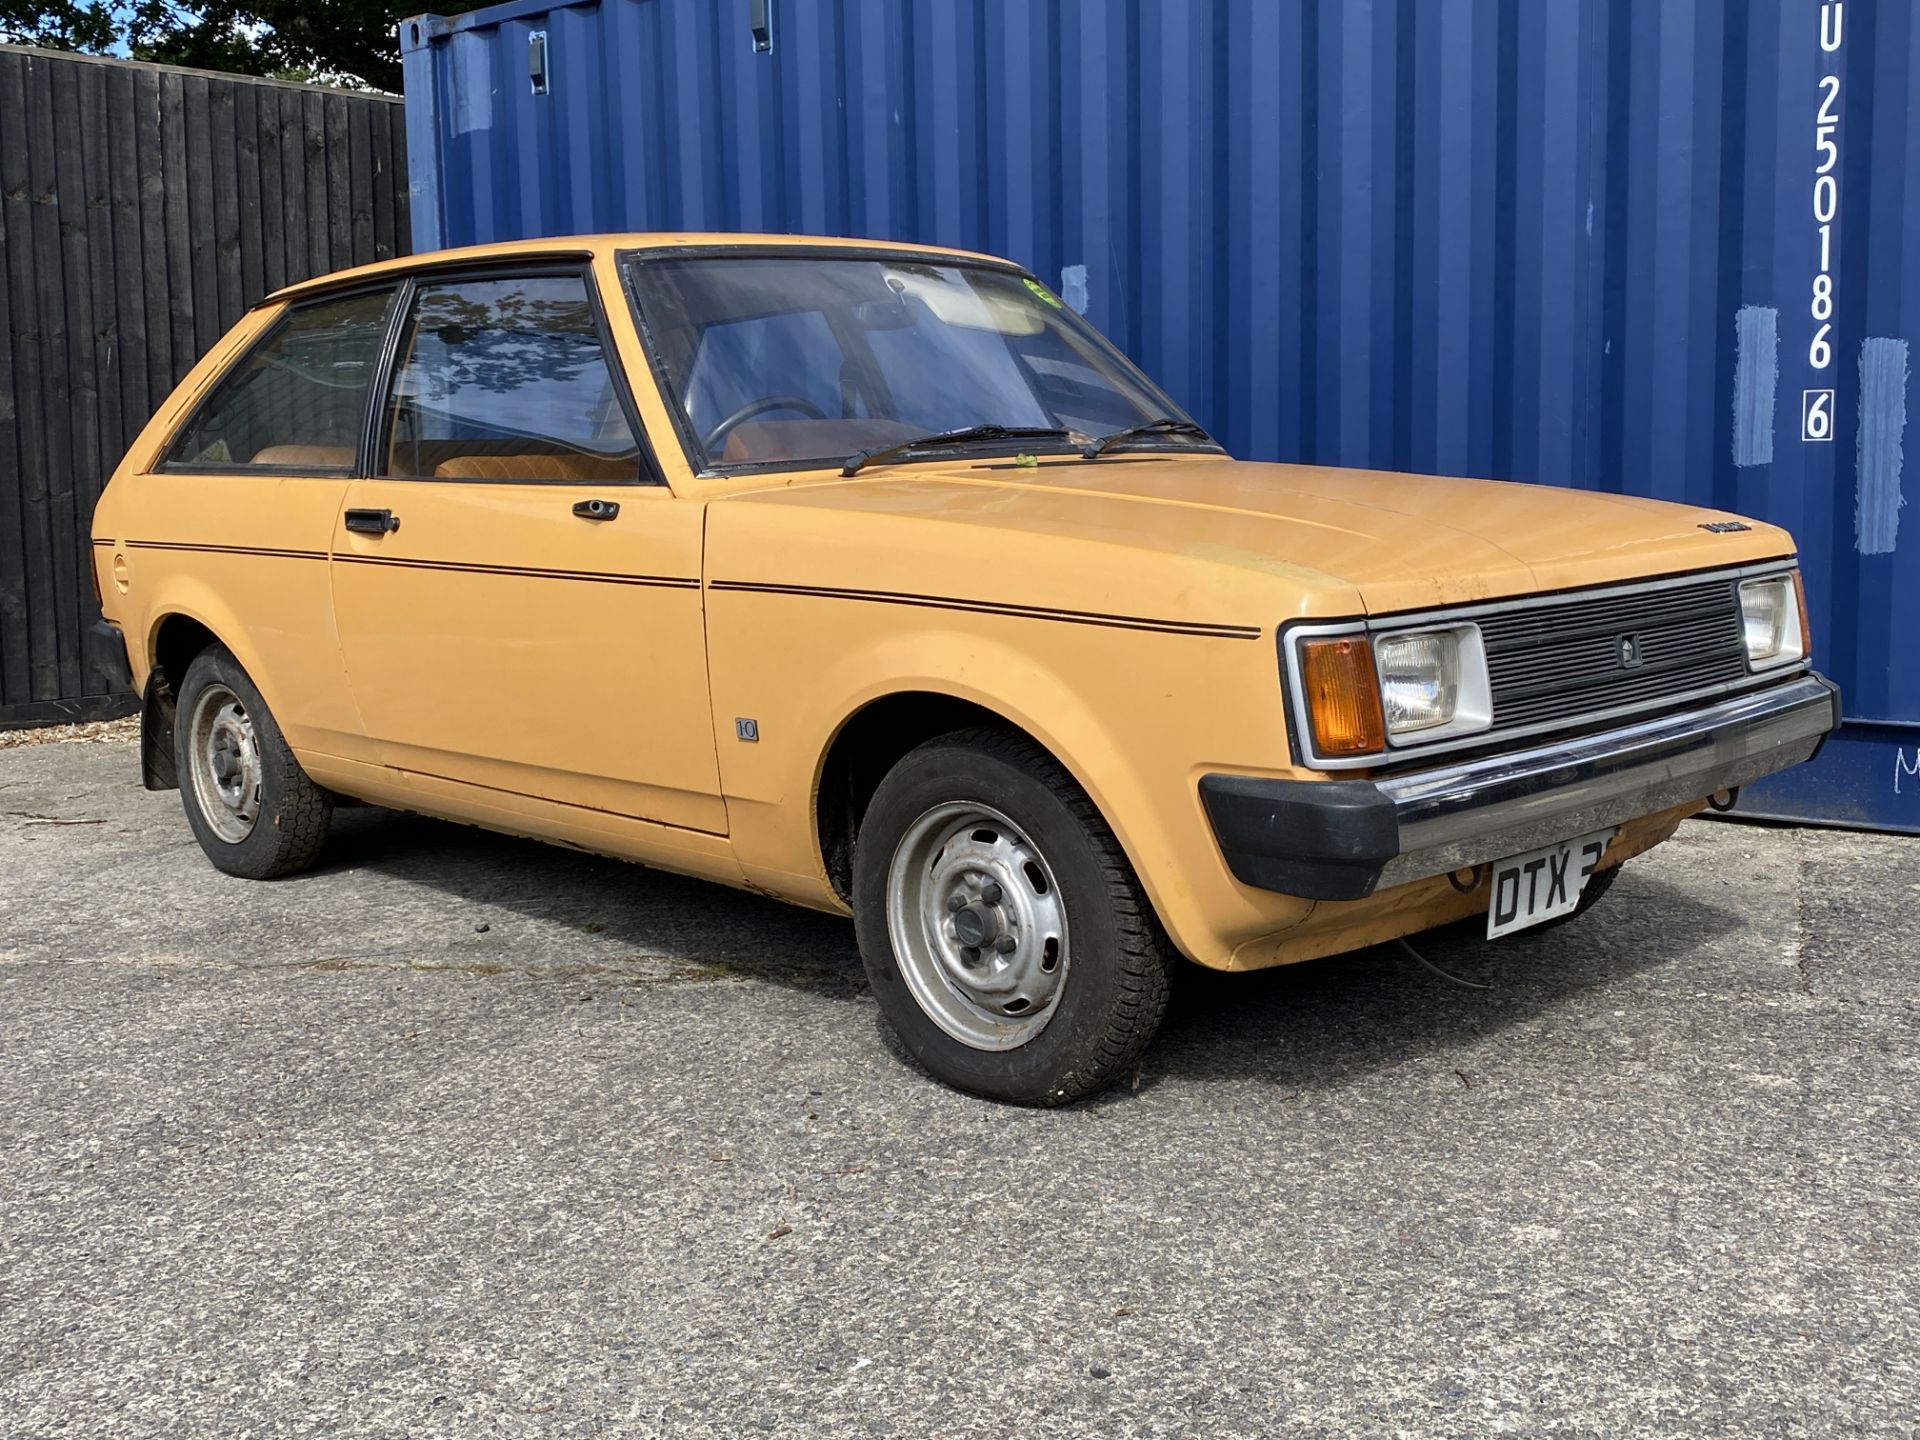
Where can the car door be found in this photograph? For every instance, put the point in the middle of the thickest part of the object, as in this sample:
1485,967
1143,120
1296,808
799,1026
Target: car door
237,517
518,604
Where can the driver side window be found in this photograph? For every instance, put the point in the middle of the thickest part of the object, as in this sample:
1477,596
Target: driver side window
506,379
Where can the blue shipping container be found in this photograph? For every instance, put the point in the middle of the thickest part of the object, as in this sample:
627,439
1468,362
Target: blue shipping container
1666,247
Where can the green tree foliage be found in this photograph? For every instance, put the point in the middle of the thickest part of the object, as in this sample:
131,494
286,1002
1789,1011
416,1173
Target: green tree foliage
347,42
59,24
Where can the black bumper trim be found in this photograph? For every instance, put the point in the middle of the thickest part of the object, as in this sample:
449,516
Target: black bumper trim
110,652
1320,839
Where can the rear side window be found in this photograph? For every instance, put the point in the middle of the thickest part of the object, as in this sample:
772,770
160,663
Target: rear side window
507,379
297,399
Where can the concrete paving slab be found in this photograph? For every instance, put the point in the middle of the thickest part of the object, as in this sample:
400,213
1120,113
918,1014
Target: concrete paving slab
463,1135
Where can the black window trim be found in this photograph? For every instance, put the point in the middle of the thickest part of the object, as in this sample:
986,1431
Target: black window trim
628,262
393,285
365,455
400,288
373,431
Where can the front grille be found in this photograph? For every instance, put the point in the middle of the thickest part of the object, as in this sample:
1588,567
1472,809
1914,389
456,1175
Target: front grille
1564,661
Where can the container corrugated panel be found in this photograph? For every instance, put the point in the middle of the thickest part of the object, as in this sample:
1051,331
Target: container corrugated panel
1662,247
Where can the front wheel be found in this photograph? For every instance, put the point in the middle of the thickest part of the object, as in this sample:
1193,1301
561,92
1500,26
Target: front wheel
252,808
1005,935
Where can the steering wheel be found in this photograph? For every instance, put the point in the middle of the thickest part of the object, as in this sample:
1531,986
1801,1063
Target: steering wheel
717,436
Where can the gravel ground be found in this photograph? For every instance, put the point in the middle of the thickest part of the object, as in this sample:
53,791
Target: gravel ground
88,731
468,1136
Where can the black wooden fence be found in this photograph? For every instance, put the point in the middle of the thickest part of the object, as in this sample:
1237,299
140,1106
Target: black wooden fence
142,210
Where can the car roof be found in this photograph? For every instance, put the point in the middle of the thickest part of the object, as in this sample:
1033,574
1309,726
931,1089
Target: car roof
586,247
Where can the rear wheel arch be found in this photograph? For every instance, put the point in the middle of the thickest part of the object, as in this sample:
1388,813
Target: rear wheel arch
176,640
185,626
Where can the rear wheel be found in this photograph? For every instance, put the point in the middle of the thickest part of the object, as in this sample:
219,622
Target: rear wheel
251,806
1005,935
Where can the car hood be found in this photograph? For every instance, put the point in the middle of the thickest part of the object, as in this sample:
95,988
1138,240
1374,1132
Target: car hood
1393,541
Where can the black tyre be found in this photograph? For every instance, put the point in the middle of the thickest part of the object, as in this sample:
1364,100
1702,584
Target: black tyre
1006,937
251,806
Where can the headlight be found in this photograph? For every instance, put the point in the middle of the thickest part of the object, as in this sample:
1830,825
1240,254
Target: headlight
1419,680
1434,683
1770,616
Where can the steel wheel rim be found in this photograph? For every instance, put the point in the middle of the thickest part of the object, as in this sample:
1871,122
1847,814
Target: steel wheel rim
978,926
224,758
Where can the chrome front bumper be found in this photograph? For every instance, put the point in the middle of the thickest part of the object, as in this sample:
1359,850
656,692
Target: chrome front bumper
1343,839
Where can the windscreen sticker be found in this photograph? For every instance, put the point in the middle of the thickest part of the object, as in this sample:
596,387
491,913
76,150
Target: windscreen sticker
1045,294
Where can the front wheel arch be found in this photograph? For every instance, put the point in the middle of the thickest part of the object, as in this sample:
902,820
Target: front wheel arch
871,741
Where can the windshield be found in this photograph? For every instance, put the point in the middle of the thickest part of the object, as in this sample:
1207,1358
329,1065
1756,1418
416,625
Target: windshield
794,360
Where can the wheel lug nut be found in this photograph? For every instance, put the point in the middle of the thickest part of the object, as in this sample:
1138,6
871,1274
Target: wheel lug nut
956,903
970,954
991,893
1005,944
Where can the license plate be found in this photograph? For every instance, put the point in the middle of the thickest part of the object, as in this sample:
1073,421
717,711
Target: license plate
1542,885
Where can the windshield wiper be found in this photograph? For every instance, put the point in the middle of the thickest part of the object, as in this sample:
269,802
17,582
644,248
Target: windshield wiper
1166,425
952,437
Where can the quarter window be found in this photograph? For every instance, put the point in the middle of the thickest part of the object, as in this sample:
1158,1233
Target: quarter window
507,379
296,402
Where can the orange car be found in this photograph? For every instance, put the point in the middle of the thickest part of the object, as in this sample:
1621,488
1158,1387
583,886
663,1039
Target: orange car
871,577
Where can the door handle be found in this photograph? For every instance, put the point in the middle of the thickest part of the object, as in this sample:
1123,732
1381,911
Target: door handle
597,509
372,522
